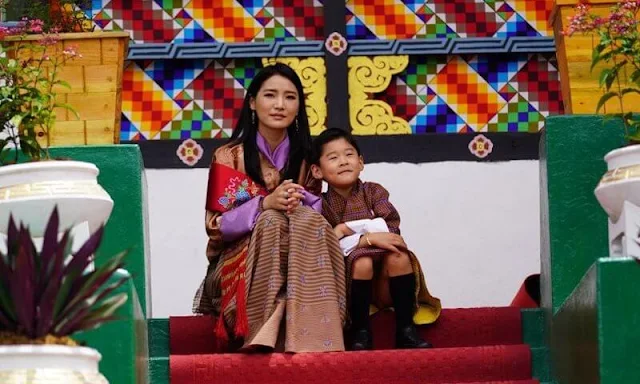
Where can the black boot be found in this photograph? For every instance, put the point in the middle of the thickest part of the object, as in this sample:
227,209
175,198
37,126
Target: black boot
402,289
359,312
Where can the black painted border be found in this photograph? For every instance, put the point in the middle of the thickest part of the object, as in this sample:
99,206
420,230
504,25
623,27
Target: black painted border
424,148
337,69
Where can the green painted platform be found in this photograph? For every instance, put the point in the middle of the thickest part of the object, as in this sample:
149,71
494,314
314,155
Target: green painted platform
591,302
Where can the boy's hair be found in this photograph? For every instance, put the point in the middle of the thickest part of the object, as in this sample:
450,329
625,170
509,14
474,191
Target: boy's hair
327,136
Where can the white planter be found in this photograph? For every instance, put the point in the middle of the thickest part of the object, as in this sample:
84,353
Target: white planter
621,182
50,364
30,192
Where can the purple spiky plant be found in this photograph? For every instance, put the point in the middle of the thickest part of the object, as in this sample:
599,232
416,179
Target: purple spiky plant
51,292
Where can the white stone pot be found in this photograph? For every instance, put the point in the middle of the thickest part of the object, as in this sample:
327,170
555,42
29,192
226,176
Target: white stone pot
30,192
49,364
621,182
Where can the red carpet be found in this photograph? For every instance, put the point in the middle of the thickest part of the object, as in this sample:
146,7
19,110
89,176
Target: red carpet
479,345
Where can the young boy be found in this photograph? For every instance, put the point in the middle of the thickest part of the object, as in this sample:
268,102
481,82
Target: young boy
368,226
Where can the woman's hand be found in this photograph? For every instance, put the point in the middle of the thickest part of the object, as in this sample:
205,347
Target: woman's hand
385,240
286,197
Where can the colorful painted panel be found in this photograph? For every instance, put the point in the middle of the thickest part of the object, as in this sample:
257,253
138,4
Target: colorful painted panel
407,19
181,99
201,99
484,93
229,21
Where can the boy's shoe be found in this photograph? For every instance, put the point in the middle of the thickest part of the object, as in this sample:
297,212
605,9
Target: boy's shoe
408,338
362,340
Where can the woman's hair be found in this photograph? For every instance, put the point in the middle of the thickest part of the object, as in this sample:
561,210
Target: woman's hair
246,131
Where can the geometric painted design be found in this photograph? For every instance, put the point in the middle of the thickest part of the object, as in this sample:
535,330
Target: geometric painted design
508,92
172,7
517,116
356,29
225,20
173,76
498,70
436,117
253,6
387,19
274,31
263,17
516,25
191,123
421,69
423,12
144,20
168,21
128,132
200,98
538,81
535,12
183,99
243,70
193,33
219,94
403,100
182,18
102,19
303,19
147,107
436,28
467,18
467,93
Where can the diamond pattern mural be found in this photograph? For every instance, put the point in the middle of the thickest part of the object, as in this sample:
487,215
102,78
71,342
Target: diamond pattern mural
483,93
405,19
187,21
180,99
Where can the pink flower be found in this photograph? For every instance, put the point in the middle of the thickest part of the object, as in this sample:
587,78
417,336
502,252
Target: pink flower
71,51
480,146
190,152
48,40
336,44
35,26
582,21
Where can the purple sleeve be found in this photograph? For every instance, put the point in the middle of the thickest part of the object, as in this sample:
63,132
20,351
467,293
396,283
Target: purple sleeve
240,220
313,201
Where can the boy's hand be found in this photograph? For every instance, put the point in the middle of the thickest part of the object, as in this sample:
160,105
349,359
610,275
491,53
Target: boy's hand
385,240
341,230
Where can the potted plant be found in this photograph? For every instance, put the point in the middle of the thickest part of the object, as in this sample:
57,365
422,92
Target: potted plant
29,103
95,80
617,54
46,296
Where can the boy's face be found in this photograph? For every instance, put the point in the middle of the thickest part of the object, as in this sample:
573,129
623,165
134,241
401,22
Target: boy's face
339,164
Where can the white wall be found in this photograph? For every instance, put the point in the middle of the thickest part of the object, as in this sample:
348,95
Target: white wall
474,226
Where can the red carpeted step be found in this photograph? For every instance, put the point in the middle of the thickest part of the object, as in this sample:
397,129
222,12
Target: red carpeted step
449,365
502,382
466,327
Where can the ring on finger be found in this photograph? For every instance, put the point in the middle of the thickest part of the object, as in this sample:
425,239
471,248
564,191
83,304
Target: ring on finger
286,195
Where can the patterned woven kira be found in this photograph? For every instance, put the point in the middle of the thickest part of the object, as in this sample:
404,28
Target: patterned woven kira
180,99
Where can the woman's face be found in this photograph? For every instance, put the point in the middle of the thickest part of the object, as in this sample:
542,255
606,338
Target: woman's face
276,103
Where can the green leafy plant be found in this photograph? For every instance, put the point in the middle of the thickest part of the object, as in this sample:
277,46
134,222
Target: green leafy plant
619,48
50,293
57,16
29,84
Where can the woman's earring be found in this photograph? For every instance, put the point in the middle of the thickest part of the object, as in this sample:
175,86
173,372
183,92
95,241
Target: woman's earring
296,123
253,117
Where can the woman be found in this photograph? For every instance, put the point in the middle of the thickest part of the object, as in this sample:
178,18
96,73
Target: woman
276,273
